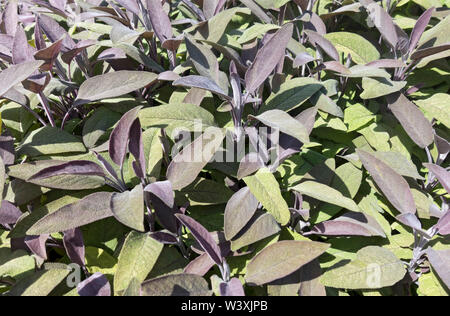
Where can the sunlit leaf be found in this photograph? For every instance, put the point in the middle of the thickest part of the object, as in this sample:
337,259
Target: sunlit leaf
373,268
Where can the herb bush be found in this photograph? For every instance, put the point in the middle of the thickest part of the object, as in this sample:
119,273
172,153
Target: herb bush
253,147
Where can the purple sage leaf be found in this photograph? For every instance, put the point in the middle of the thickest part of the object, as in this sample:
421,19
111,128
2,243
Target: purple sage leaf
232,288
76,167
74,245
412,119
118,141
37,245
159,19
441,174
393,185
9,214
443,225
96,285
267,58
350,224
203,237
420,26
440,261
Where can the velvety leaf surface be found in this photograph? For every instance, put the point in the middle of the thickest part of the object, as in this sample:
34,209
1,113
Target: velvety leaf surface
74,245
232,288
159,19
137,258
90,209
96,285
59,178
325,193
186,166
282,121
394,186
80,167
360,49
419,28
373,268
309,280
399,163
262,227
9,214
383,22
265,188
203,237
378,87
292,94
17,73
227,148
17,263
443,225
176,285
50,141
350,224
240,209
440,262
441,174
41,283
201,82
128,208
412,119
281,259
183,116
112,85
267,58
118,141
435,106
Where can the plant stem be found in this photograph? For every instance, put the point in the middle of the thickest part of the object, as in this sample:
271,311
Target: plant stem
46,106
37,116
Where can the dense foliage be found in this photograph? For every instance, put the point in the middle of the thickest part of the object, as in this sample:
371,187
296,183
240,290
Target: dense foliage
224,147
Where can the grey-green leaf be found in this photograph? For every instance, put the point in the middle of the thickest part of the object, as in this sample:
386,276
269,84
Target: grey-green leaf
42,283
137,258
183,116
97,125
378,87
92,208
204,60
373,268
266,189
436,106
15,264
292,94
128,208
325,193
50,141
285,123
360,49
